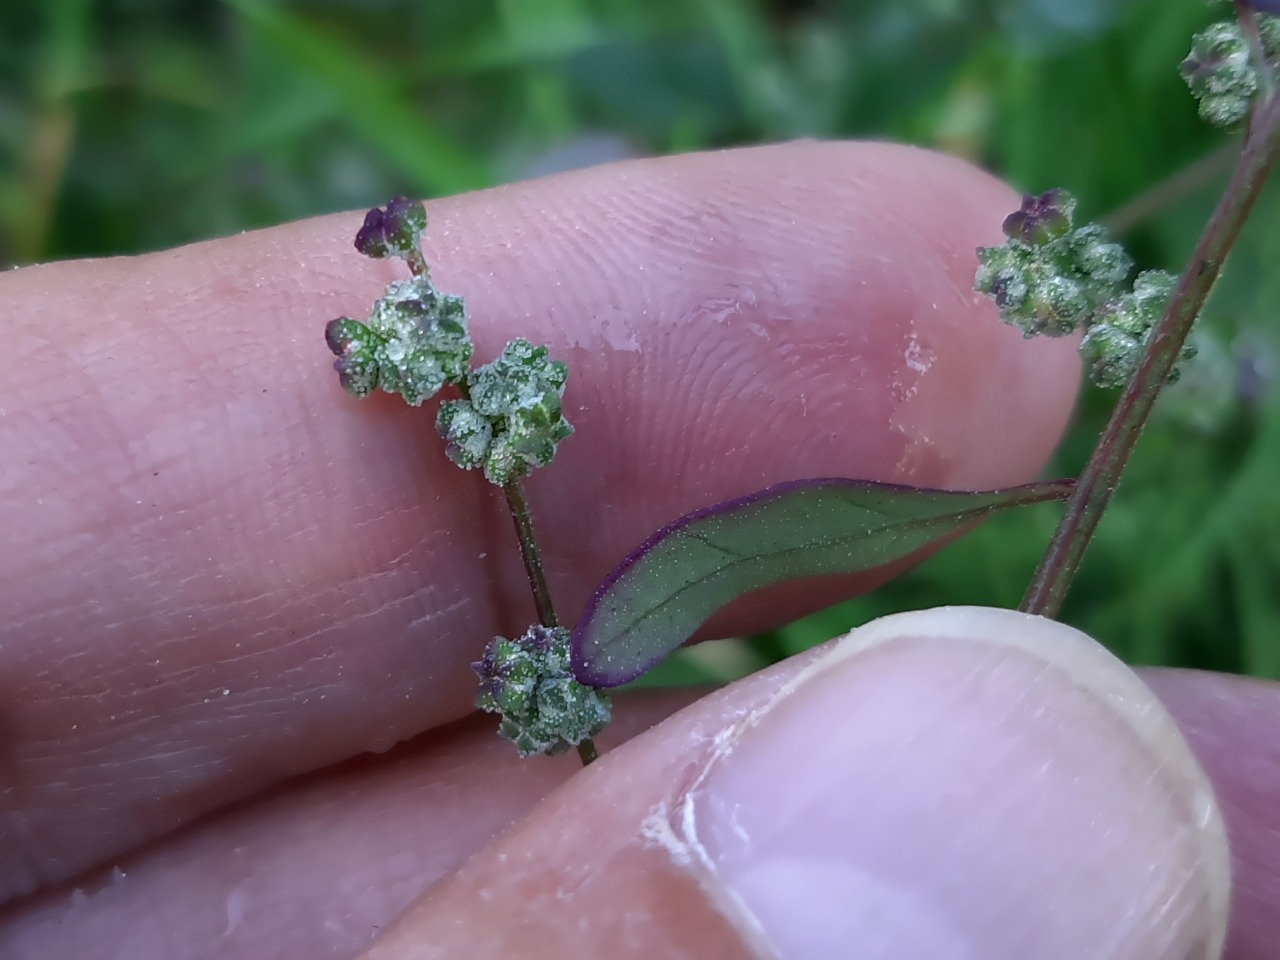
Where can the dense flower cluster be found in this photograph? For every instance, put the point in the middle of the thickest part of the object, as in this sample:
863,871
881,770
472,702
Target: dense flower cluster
512,419
1053,278
1118,336
530,683
1223,71
1050,277
507,420
414,342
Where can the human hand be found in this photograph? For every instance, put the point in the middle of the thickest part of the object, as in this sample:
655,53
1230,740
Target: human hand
223,574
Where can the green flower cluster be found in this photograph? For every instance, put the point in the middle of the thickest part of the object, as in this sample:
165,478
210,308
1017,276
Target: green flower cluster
415,341
1222,69
530,683
1118,336
511,419
1049,278
508,420
1055,279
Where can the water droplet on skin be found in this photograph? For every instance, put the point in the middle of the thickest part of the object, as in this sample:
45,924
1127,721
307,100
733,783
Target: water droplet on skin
619,335
918,358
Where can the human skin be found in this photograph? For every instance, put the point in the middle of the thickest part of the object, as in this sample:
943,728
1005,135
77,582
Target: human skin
228,583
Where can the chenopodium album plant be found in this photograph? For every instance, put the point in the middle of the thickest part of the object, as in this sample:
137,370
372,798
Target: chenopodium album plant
506,420
1051,277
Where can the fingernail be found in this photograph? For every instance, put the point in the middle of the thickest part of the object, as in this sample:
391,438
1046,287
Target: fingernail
963,782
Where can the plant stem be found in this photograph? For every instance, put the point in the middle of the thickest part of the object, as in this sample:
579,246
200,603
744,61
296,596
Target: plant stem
532,556
1253,37
530,553
417,263
587,751
1101,475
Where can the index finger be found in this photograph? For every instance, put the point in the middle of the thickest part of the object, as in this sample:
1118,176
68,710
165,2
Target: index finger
223,571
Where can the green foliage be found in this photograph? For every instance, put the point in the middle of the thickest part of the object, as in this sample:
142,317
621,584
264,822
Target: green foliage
130,126
658,597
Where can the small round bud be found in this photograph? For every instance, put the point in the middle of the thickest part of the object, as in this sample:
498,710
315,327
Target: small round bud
343,335
518,395
394,230
1049,278
468,435
1221,71
1118,335
520,375
530,683
355,346
416,341
1111,355
1042,218
425,339
501,463
1090,253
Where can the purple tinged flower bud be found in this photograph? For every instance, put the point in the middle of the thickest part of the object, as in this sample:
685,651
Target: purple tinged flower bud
1050,277
529,681
370,238
357,374
494,671
344,335
542,640
1042,218
394,230
355,346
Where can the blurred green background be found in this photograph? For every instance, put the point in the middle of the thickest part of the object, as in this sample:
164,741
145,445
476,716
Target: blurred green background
129,125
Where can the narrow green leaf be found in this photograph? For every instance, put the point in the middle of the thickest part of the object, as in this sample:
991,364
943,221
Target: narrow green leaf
655,600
